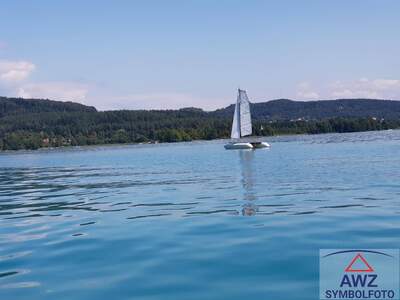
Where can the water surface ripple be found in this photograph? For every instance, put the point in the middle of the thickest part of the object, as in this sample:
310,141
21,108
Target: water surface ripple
192,220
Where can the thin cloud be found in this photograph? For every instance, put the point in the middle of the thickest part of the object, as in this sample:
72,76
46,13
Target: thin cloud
15,71
63,91
159,100
308,95
14,81
366,88
306,92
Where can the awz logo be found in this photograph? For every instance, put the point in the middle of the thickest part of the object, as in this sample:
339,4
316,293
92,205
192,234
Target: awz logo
359,280
359,274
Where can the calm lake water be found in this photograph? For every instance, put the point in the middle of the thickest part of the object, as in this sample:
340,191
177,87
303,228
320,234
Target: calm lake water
192,220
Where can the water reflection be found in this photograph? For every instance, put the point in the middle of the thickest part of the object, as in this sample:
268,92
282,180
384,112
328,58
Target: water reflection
246,163
53,194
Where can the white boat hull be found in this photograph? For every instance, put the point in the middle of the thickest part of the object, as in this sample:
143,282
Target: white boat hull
257,145
245,145
234,146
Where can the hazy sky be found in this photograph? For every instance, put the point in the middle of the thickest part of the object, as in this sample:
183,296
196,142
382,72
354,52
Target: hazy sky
169,54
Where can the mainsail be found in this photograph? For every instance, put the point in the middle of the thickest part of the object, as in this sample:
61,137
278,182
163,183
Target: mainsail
241,125
245,116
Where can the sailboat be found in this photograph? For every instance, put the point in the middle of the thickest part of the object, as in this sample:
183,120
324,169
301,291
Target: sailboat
241,125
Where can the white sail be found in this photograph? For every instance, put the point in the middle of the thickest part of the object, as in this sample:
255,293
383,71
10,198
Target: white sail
244,113
235,133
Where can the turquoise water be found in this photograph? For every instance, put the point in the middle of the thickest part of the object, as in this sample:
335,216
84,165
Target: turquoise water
192,220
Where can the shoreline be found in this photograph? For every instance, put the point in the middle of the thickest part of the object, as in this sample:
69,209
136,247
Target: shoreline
75,147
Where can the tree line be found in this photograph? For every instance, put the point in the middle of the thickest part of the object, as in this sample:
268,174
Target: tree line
77,128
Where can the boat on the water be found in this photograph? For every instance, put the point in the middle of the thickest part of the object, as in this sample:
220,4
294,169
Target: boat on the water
232,146
242,126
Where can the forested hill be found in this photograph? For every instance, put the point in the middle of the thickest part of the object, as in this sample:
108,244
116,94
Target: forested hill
281,109
12,106
31,124
284,109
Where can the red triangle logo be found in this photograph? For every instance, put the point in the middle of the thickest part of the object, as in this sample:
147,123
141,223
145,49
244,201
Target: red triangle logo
359,259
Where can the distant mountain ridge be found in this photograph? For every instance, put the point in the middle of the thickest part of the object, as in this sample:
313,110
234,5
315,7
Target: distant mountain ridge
285,109
280,109
12,106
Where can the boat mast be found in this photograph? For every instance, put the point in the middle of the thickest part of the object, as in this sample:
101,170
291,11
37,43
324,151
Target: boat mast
238,113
